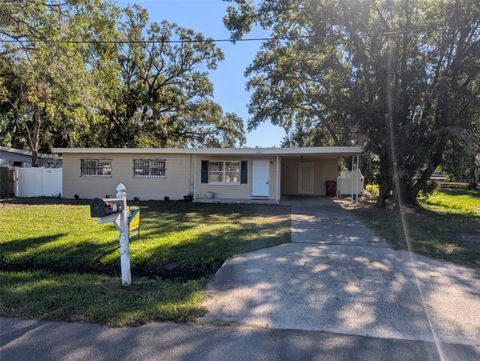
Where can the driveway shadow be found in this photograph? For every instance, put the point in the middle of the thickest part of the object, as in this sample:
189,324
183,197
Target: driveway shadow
347,285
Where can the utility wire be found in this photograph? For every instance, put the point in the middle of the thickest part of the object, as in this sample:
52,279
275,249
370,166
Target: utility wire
209,40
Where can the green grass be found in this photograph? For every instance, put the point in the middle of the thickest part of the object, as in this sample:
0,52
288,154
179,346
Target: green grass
453,201
178,239
447,227
98,298
52,245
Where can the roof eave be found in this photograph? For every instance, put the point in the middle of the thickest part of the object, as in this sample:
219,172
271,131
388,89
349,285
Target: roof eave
339,151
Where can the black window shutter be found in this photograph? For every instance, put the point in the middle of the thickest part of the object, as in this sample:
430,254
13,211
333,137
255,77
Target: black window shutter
204,171
243,172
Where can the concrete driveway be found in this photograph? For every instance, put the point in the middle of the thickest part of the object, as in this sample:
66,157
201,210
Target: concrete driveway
337,276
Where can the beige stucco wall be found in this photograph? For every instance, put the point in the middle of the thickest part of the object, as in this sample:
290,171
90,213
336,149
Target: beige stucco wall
178,182
324,169
175,185
241,191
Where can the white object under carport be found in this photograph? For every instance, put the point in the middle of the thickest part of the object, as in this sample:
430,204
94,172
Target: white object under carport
346,182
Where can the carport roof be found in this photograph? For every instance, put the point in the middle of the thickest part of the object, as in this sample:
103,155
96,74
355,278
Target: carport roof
297,151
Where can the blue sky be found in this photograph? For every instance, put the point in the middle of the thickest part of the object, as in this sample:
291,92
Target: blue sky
205,16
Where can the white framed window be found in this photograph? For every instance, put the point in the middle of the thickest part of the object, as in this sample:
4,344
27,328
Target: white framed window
225,172
96,167
149,168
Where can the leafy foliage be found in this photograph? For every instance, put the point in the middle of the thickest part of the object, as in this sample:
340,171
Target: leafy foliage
85,73
400,77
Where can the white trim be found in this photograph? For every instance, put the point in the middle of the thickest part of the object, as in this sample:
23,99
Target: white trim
346,151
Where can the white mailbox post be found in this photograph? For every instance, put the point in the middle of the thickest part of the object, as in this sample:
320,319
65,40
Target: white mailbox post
120,220
124,237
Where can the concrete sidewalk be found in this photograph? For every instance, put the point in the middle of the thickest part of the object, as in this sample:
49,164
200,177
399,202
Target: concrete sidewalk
39,340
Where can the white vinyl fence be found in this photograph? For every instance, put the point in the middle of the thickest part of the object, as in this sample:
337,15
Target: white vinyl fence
38,182
345,180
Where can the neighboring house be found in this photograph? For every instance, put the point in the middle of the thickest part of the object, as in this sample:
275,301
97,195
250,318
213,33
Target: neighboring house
222,173
23,158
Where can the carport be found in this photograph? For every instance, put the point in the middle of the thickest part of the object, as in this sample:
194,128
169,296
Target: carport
306,174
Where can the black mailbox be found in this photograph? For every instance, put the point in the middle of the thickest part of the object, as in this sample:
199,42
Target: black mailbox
104,207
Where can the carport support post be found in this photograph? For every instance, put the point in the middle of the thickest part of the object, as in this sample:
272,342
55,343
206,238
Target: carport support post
124,238
356,179
277,182
194,177
351,178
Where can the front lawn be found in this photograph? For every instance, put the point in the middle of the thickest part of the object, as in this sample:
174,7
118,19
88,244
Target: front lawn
98,298
57,263
447,227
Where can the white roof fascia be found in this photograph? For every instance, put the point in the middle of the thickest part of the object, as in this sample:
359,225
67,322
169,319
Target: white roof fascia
218,151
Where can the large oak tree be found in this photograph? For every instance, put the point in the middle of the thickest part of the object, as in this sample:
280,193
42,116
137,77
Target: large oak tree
400,77
86,73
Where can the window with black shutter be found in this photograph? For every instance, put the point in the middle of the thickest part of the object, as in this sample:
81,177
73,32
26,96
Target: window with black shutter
204,171
244,172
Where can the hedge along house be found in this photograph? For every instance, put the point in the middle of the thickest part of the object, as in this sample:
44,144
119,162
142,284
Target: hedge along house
208,174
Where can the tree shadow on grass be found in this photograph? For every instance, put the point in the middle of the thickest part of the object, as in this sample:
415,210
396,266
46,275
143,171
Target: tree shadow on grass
178,240
438,235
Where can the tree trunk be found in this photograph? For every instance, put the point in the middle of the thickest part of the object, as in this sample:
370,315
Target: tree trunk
35,140
384,180
406,195
109,129
472,180
383,194
435,160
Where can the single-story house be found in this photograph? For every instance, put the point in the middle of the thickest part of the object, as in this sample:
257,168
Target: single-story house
221,173
23,158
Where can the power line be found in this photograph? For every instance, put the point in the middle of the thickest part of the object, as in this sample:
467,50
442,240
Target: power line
210,40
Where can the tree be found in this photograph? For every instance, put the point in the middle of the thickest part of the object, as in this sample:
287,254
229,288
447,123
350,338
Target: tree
85,73
163,96
46,80
462,155
398,75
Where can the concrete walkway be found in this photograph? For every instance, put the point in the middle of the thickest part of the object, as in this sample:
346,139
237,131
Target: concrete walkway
337,276
37,340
